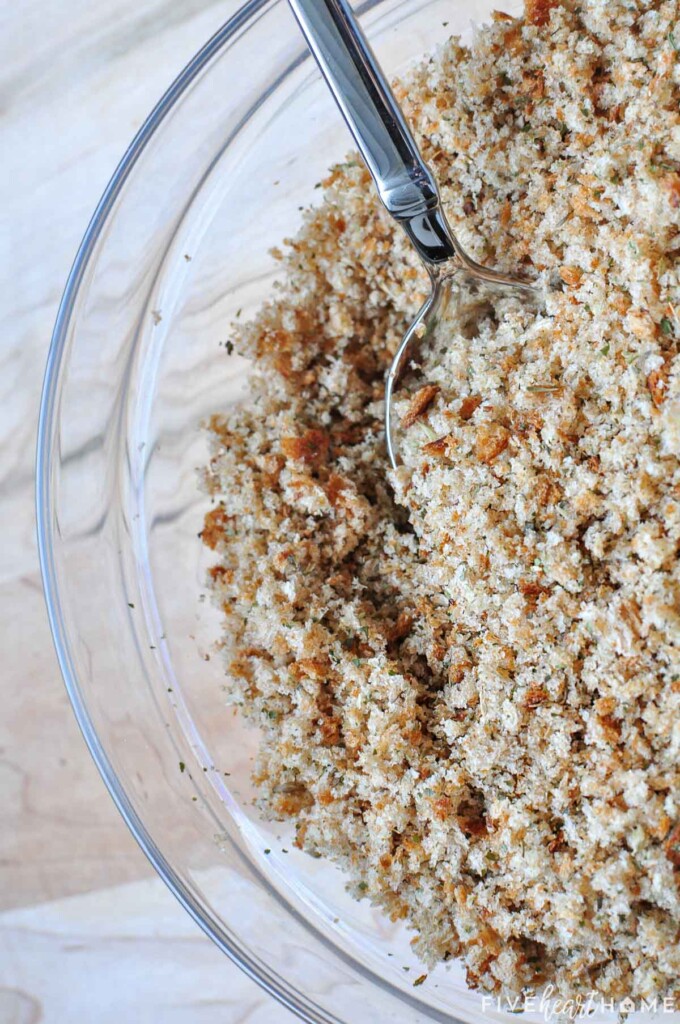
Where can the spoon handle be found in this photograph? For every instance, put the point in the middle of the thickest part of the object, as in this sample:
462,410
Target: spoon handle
405,183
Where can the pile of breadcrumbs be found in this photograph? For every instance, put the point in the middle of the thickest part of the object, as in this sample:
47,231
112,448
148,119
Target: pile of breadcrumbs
467,674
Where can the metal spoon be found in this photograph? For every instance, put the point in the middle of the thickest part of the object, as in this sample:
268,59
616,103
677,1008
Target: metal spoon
405,183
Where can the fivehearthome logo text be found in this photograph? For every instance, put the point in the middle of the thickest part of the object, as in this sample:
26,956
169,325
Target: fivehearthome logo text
556,1008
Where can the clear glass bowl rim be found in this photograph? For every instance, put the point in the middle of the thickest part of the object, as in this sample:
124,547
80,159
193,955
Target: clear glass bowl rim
274,985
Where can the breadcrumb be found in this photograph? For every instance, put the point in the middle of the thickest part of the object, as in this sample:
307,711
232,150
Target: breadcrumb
467,675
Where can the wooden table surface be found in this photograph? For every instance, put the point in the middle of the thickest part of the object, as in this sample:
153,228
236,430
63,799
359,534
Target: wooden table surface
87,932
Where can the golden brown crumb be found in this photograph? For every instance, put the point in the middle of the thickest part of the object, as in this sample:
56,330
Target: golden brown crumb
657,382
439,448
535,696
538,11
671,184
311,447
468,406
571,276
673,846
419,403
492,439
213,530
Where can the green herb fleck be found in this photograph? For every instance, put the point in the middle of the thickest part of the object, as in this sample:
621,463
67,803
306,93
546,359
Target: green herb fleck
182,766
420,980
666,328
544,389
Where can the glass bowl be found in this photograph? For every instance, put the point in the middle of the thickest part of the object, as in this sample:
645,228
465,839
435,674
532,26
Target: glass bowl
177,249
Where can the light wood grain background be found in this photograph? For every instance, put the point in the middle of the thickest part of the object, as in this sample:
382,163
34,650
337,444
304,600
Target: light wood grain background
87,933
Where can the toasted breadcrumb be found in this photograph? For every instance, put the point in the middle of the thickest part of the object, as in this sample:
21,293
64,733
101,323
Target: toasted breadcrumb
467,674
419,403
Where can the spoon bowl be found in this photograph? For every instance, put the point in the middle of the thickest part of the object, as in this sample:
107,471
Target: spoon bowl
463,291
